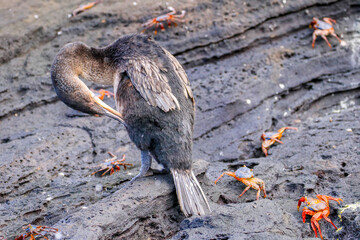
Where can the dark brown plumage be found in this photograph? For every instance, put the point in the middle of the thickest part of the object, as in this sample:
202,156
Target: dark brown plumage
153,98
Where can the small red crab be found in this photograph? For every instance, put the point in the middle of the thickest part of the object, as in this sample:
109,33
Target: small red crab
323,28
272,137
169,17
102,93
32,231
246,176
318,208
112,165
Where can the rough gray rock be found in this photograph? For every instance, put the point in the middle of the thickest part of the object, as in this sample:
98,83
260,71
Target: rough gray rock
252,69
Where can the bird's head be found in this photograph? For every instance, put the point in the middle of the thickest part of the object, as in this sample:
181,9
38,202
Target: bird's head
65,73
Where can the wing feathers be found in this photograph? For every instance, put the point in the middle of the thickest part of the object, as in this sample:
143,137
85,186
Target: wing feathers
152,83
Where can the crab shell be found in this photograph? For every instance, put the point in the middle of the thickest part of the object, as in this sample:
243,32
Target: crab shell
315,204
244,172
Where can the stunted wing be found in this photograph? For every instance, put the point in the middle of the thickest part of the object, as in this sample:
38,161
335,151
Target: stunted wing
152,83
181,74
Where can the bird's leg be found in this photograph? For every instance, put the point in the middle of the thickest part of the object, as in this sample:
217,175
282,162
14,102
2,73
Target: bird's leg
145,165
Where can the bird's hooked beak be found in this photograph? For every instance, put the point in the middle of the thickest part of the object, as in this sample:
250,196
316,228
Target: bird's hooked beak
108,111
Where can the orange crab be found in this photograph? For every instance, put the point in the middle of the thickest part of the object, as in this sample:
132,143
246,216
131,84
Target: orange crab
323,28
246,176
318,208
32,231
102,93
169,17
270,138
112,165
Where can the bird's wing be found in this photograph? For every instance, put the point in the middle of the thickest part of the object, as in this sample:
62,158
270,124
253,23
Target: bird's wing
179,70
152,83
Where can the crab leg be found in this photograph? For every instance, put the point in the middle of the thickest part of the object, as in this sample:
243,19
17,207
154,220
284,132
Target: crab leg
334,34
264,150
277,140
315,220
281,130
334,199
178,19
262,186
314,228
231,174
247,188
306,212
324,37
329,20
325,214
149,24
49,229
162,27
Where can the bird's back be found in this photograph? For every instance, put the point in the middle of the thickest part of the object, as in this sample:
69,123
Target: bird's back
167,135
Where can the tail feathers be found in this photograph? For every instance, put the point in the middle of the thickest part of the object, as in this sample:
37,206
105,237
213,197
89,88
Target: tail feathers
191,198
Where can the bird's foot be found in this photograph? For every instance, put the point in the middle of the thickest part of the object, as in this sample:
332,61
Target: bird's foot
145,166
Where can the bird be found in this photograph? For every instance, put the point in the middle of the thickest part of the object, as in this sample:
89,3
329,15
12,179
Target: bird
154,102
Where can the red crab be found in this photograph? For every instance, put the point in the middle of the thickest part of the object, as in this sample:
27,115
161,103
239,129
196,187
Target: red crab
169,18
323,28
32,231
246,176
318,208
272,137
111,165
102,93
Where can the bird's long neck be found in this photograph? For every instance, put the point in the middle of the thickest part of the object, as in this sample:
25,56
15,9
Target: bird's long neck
74,60
96,67
78,60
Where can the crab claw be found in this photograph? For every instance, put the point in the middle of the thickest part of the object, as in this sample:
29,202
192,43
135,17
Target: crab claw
301,200
263,137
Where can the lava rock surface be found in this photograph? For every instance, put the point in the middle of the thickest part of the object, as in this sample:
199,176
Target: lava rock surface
251,68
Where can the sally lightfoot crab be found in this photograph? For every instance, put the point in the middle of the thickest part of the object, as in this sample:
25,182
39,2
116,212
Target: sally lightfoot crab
270,138
112,165
323,28
318,208
32,231
246,176
169,18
